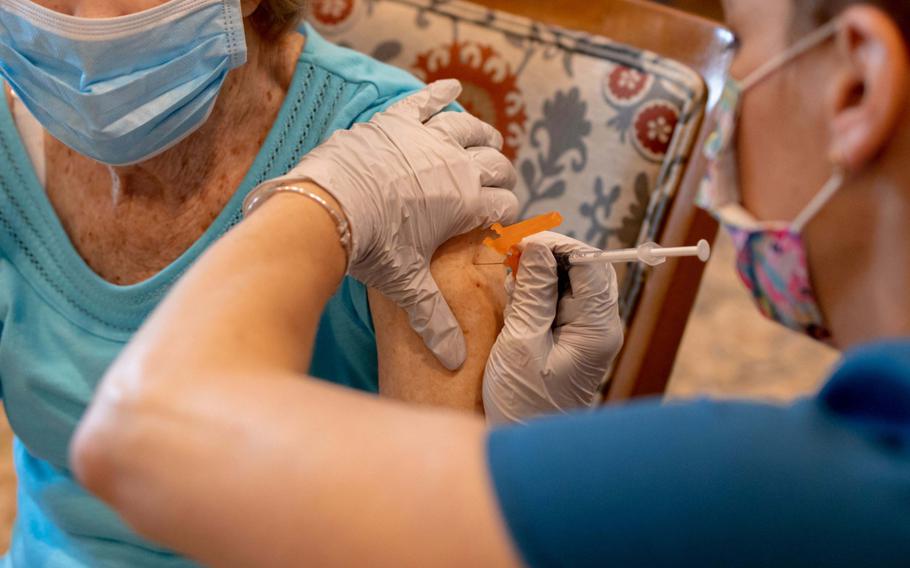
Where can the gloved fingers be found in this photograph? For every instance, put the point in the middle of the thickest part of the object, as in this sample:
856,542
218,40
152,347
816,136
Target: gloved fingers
467,130
429,101
594,302
577,370
532,306
432,319
584,356
497,205
589,326
560,244
594,287
590,280
495,169
586,280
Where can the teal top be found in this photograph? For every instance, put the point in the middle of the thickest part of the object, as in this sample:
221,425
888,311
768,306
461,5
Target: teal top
822,482
61,325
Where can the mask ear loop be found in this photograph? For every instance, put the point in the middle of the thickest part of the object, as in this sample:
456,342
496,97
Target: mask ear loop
805,44
821,199
808,42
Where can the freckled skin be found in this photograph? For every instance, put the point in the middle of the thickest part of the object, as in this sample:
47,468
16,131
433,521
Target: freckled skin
407,370
165,204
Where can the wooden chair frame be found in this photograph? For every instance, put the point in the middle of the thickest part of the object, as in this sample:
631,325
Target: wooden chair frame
659,322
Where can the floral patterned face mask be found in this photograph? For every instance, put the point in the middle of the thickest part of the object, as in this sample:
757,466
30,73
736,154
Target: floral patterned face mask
771,256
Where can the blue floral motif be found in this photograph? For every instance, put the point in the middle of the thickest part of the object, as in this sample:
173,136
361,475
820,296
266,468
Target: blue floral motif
630,229
565,125
387,51
600,211
422,20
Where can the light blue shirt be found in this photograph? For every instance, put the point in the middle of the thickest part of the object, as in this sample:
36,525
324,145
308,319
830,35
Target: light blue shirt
61,325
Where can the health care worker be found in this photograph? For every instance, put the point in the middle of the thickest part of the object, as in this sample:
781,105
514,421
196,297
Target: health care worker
822,95
127,146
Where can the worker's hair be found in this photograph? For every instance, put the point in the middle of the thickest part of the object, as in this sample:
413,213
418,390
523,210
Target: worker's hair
810,14
274,18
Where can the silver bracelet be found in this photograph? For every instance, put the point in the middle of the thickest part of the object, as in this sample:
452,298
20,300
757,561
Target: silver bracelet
263,192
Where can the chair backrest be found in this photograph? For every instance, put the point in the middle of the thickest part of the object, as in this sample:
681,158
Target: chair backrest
599,130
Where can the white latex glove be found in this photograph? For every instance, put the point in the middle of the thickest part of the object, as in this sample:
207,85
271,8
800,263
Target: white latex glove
553,353
409,180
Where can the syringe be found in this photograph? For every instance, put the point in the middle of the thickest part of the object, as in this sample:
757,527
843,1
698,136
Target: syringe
651,254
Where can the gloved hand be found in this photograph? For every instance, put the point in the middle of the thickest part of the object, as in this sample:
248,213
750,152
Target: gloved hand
409,180
552,353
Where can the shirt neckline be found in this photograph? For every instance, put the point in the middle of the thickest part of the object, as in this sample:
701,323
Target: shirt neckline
125,306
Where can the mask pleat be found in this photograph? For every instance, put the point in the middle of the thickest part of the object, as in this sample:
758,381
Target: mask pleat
121,90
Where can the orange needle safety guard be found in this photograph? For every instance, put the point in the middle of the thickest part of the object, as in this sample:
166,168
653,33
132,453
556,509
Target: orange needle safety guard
509,237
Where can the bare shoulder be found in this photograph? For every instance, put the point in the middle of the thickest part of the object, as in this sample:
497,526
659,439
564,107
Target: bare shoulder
407,370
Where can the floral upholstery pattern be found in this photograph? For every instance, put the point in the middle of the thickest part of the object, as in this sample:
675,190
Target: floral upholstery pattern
598,130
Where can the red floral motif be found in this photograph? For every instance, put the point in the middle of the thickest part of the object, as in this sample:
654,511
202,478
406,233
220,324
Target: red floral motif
654,126
490,87
625,85
331,12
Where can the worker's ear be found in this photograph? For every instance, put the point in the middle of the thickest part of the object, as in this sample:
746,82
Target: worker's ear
247,7
870,86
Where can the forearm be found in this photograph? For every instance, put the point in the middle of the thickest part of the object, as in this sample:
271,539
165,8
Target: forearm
274,470
280,471
253,300
246,311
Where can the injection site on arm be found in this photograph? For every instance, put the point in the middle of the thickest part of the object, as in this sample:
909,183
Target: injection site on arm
649,253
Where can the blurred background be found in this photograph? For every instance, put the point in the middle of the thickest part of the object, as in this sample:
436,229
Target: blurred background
728,350
708,8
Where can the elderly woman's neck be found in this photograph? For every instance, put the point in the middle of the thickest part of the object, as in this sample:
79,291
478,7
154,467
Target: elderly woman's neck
226,145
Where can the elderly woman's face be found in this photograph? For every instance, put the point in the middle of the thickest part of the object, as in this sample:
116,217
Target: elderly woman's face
114,8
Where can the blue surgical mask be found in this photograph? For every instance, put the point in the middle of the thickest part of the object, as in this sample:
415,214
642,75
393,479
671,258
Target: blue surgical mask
121,90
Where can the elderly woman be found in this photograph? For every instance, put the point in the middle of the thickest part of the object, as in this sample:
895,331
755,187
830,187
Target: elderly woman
133,131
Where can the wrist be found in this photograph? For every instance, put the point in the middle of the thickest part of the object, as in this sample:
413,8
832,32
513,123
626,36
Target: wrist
317,196
325,195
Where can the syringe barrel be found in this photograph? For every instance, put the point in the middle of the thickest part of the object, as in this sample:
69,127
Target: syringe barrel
612,256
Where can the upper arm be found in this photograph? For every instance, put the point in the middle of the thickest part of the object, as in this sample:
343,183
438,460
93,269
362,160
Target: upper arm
407,369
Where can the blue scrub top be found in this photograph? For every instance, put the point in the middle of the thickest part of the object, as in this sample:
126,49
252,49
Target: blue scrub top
825,482
61,325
